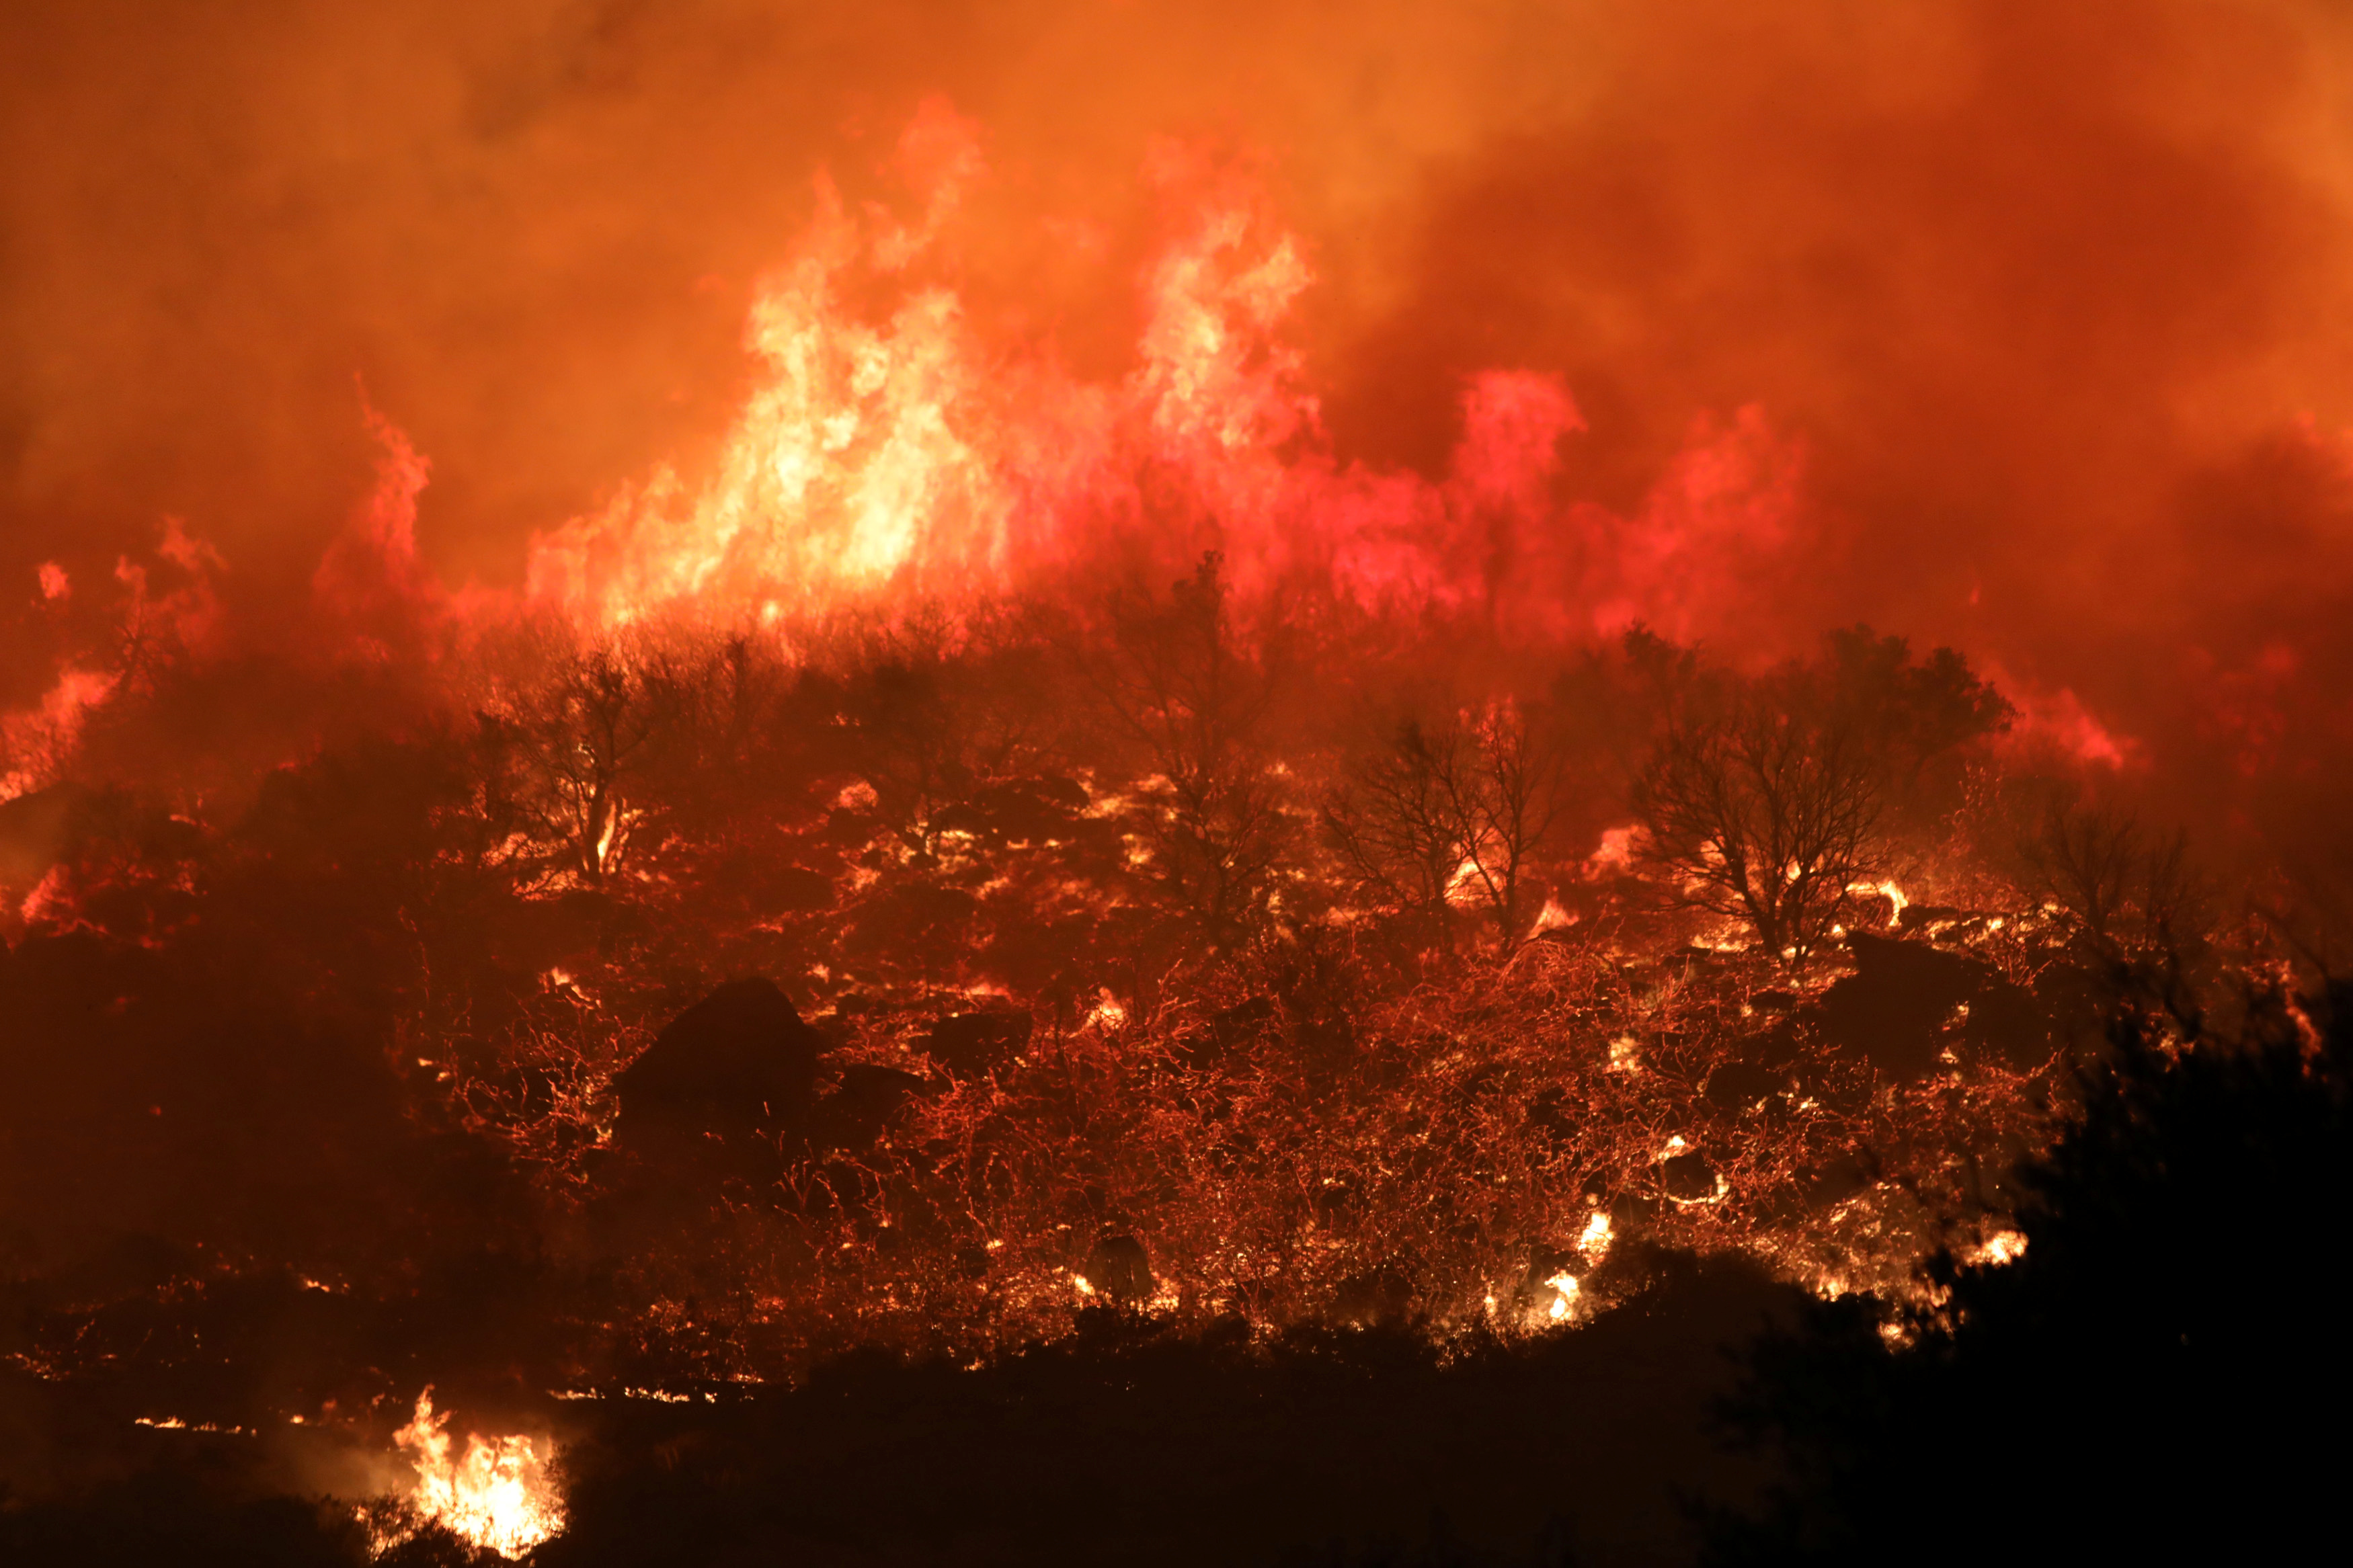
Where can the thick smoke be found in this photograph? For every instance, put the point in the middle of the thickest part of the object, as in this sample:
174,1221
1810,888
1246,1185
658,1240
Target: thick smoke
2041,309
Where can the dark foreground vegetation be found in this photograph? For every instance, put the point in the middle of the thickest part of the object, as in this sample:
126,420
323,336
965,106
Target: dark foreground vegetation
2162,1376
1122,1443
2158,1372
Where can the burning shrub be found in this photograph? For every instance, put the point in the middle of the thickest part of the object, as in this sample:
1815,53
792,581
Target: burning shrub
1769,801
1461,810
1059,1005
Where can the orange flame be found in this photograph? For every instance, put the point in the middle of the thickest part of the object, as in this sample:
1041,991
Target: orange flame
896,453
500,1496
34,741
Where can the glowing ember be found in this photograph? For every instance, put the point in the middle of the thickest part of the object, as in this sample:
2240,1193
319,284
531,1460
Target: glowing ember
1888,890
2001,1246
499,1496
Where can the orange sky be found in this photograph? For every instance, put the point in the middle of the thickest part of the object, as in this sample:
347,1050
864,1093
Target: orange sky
2044,294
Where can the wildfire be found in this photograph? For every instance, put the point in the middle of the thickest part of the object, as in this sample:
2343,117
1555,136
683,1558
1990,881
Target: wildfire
919,818
31,742
1890,892
499,1496
897,454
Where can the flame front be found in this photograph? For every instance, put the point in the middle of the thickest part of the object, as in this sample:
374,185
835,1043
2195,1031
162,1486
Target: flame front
897,453
499,1496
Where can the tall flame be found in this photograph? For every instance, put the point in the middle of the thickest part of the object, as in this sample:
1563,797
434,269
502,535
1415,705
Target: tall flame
499,1496
896,451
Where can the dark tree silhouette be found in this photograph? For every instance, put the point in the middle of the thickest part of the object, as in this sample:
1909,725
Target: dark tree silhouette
2129,890
1463,806
1191,701
1765,811
1914,718
1766,800
2161,1376
1392,823
580,740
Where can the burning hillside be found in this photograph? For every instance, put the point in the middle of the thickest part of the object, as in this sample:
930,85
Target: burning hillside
1065,816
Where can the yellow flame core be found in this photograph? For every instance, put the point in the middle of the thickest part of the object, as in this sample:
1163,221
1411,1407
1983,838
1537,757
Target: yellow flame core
2002,1246
499,1496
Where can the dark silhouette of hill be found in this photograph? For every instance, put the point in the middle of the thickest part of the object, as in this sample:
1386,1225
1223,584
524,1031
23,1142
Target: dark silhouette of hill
2163,1375
2157,1375
1125,1442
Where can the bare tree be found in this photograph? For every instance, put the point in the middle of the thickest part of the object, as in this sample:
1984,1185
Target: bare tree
1463,807
1191,701
581,739
2141,907
1507,802
1394,822
1765,810
2083,856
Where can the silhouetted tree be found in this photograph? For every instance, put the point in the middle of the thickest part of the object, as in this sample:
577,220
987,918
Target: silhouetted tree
1766,810
1190,700
2140,910
1767,800
1462,806
1511,802
581,737
2084,857
1393,823
1915,719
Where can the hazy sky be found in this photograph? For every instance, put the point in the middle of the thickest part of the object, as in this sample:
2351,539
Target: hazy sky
2054,299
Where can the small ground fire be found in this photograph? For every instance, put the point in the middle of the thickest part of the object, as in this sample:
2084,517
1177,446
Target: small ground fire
499,1494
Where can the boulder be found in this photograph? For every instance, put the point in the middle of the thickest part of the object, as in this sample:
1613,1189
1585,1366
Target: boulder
737,1066
1904,1006
1119,1271
972,1043
867,1099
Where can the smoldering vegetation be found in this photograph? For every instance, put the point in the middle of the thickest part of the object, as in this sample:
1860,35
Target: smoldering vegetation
658,1018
